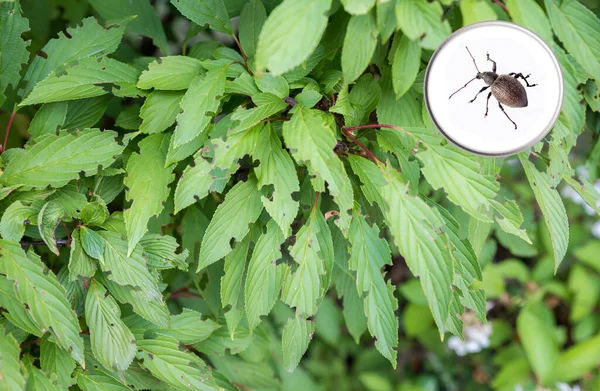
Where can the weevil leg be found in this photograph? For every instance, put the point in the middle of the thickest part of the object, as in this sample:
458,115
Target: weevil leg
489,59
520,75
502,108
487,102
480,91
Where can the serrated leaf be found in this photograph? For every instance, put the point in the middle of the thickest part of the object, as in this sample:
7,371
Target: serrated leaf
54,360
48,119
39,380
89,40
297,334
552,208
127,269
113,343
358,7
83,80
14,220
386,19
281,46
146,22
359,46
92,243
579,30
85,113
419,18
160,110
37,288
241,207
161,252
253,375
528,13
94,213
460,175
182,370
264,277
357,104
267,105
586,190
98,381
152,309
56,160
276,85
71,199
303,287
220,342
10,370
474,11
189,327
277,169
170,73
17,314
311,141
405,66
201,12
148,186
252,19
48,219
199,103
13,48
510,218
80,263
415,228
369,253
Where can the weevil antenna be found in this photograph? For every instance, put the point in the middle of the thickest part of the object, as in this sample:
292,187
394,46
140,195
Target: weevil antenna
473,59
462,87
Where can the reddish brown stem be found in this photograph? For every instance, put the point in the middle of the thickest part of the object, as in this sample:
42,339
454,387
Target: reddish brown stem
7,131
348,133
351,129
239,45
501,4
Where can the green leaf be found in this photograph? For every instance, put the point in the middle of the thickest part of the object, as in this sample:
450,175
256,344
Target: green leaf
55,360
414,226
277,169
266,105
360,102
13,49
231,220
84,80
182,370
127,269
311,140
94,214
56,160
358,7
276,85
552,208
92,243
297,334
459,173
528,13
160,251
80,263
579,30
264,276
146,22
148,186
170,73
303,287
576,361
48,119
199,103
405,67
39,380
510,218
113,343
586,190
283,46
420,18
37,288
386,19
253,375
539,343
10,370
369,253
152,309
474,11
201,12
89,40
252,19
189,327
159,111
85,113
48,219
98,381
14,220
359,46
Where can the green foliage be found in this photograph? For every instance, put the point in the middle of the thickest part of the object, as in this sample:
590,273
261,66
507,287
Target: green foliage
231,216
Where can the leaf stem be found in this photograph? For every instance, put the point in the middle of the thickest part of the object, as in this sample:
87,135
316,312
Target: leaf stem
239,45
501,4
348,133
60,242
7,131
376,126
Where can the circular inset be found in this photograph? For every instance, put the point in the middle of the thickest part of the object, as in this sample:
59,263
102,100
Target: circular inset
467,59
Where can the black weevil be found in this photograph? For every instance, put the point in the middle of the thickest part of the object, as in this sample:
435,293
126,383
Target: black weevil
505,88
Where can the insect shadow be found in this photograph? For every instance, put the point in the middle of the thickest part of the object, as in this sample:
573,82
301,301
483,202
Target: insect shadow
506,88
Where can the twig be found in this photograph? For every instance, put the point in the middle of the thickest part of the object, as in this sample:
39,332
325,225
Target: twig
376,126
239,45
501,4
183,293
348,133
7,131
60,242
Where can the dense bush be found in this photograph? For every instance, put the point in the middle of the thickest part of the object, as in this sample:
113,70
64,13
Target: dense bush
173,172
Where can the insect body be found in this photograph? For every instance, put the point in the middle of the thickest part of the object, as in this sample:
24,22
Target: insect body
505,88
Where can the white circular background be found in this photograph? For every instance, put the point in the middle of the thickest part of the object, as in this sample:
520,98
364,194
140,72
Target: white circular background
515,49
